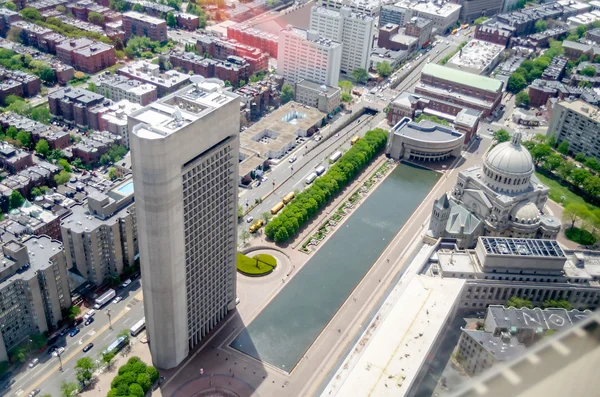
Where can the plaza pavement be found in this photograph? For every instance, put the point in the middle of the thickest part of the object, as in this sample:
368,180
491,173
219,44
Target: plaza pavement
226,364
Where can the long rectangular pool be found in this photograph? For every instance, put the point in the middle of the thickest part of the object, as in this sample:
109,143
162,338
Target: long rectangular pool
285,329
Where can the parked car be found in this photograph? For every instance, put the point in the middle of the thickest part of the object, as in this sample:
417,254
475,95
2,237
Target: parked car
88,347
34,393
118,299
64,332
77,321
74,332
58,351
126,283
34,362
52,349
250,219
89,321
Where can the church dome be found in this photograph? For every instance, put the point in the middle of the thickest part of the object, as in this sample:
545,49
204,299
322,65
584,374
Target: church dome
510,158
525,213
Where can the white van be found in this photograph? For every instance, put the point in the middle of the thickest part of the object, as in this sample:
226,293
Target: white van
89,314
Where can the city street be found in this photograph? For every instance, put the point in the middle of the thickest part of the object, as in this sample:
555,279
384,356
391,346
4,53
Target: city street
47,375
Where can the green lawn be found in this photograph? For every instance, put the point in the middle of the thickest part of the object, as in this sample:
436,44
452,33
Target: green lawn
258,265
557,191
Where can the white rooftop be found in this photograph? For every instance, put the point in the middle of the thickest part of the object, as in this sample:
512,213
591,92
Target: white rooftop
476,54
388,356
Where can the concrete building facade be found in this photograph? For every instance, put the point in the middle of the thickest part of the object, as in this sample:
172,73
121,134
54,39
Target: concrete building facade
354,31
577,123
305,54
101,237
185,153
34,289
326,99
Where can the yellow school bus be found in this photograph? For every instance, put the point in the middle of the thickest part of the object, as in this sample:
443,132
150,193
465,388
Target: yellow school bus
277,208
288,197
465,26
354,140
256,225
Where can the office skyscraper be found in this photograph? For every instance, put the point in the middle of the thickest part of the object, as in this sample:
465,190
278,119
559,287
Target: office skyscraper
185,163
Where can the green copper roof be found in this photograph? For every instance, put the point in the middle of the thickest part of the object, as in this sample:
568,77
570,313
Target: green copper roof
460,77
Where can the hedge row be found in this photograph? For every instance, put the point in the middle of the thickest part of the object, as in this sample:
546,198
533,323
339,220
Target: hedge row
134,380
306,204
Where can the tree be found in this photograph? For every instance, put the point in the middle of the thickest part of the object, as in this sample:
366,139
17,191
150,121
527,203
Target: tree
579,175
561,304
24,137
12,132
266,217
480,20
136,390
92,87
61,9
540,152
137,7
62,177
240,212
84,369
516,83
563,148
346,97
519,303
580,157
552,162
171,20
287,93
68,389
38,341
502,136
143,380
384,69
522,99
10,5
72,312
31,14
345,85
112,173
107,358
96,18
589,71
574,212
540,25
360,75
15,35
56,155
65,165
20,107
244,235
241,83
41,114
105,159
16,199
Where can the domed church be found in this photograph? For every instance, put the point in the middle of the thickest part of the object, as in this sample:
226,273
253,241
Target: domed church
502,198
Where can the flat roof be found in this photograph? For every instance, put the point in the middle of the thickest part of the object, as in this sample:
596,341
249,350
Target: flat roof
426,130
460,77
181,108
521,247
143,17
390,353
477,54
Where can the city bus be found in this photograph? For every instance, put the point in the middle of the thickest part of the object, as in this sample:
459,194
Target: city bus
288,197
138,327
256,225
310,179
354,140
335,157
278,207
117,345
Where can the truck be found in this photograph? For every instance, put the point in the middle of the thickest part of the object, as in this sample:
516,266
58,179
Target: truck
104,298
310,179
320,170
335,157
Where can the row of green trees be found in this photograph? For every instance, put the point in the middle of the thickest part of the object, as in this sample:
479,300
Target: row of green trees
520,303
530,70
551,163
445,59
306,204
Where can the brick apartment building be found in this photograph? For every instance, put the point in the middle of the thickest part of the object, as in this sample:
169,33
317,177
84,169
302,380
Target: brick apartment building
73,104
222,49
136,24
31,34
86,55
233,69
14,160
15,82
264,41
50,41
187,21
6,18
494,32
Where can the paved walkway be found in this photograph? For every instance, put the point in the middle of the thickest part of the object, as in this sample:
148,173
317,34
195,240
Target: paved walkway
217,358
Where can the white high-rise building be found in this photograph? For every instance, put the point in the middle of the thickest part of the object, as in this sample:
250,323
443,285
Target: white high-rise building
185,160
305,54
353,30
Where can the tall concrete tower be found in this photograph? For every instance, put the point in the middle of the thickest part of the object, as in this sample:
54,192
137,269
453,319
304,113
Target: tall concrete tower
185,163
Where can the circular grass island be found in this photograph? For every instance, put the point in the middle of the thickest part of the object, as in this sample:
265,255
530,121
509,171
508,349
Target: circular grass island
258,265
580,236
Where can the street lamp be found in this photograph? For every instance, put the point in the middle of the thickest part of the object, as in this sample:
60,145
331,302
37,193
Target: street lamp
109,319
59,359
